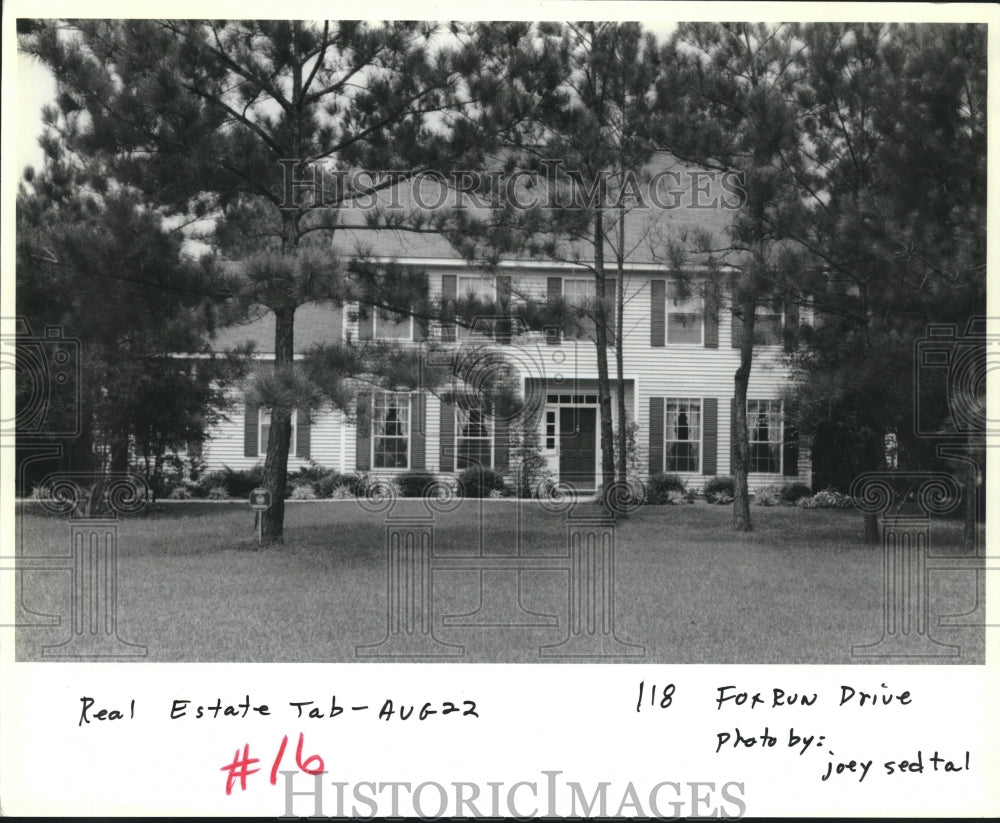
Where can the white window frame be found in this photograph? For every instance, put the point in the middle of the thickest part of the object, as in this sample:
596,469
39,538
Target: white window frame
408,436
781,442
264,419
696,305
375,319
487,421
701,434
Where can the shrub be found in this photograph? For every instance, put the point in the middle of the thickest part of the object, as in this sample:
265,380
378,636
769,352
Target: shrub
526,464
826,499
414,483
326,484
239,483
303,491
720,490
660,486
181,492
314,472
476,481
794,492
218,493
767,496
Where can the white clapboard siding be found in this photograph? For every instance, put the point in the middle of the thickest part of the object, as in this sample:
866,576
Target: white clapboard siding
670,371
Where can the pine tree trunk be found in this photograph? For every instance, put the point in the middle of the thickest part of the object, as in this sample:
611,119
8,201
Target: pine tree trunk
603,379
741,491
280,435
619,353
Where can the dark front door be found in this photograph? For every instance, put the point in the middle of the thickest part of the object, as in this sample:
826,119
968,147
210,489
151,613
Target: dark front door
578,446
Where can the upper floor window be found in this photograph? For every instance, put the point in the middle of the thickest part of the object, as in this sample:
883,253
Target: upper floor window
685,315
769,324
392,326
391,431
475,288
765,430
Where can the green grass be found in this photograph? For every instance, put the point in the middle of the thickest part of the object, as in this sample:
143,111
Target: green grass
801,588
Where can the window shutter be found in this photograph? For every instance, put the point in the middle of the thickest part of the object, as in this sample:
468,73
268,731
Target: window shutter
504,326
418,435
447,437
790,452
657,312
366,323
554,294
449,293
501,444
250,430
710,436
303,433
655,435
711,298
418,329
732,435
791,329
363,448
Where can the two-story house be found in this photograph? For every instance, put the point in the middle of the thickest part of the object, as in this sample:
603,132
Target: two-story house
680,357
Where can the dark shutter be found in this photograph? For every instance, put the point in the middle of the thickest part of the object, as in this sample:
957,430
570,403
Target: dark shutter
250,430
554,295
732,435
655,435
303,434
790,452
501,444
363,449
418,434
418,329
366,323
447,438
790,332
711,297
449,293
503,298
657,312
710,436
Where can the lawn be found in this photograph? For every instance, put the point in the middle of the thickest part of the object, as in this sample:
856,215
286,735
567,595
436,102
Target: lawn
193,586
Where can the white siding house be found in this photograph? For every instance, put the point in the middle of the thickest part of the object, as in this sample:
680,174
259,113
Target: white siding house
679,354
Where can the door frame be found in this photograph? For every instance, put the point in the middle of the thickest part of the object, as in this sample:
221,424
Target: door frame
554,403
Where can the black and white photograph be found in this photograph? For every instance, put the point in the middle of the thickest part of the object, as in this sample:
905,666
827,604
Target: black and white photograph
651,345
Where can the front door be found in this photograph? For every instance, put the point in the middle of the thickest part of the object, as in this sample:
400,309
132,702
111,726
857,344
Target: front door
578,446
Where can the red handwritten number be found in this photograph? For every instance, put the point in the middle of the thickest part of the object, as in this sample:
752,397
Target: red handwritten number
277,760
311,759
304,765
239,769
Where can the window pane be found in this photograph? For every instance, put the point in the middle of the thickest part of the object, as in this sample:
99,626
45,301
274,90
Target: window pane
390,429
682,434
684,316
764,428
